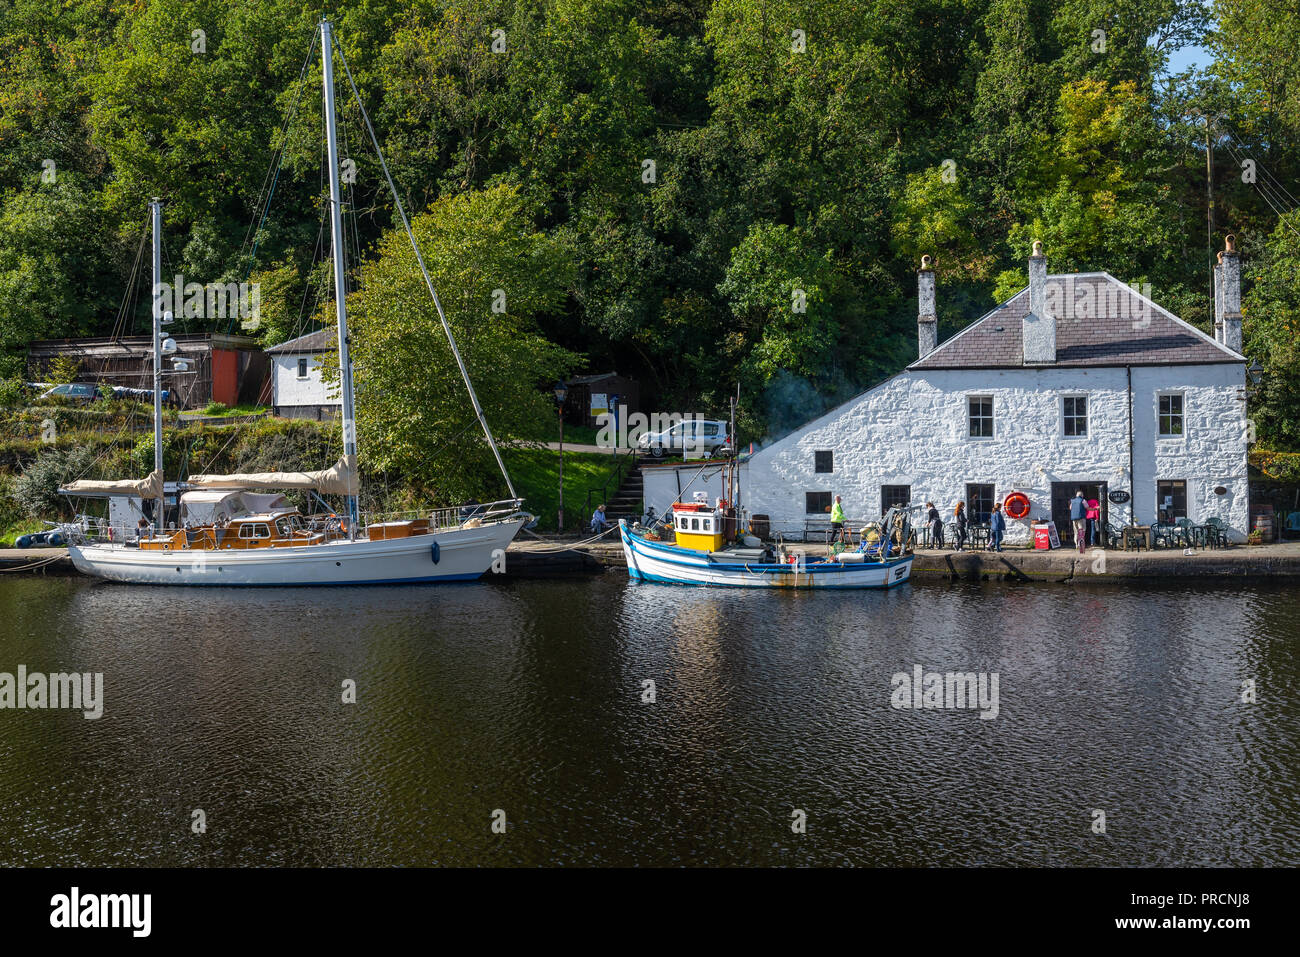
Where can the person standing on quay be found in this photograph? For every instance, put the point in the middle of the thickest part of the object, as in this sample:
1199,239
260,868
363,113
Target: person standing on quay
997,527
936,525
837,519
1094,520
1079,519
959,518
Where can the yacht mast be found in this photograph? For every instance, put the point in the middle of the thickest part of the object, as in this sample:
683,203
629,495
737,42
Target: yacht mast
340,291
428,282
155,207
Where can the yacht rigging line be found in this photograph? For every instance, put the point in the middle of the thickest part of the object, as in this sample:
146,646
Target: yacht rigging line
419,258
273,174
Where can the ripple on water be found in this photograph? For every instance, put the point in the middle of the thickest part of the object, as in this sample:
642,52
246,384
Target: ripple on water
528,698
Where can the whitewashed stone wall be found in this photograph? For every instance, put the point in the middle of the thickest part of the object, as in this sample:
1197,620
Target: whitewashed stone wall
1213,449
289,390
912,430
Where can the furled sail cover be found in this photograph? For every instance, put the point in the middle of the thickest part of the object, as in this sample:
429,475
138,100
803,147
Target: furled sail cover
339,480
151,487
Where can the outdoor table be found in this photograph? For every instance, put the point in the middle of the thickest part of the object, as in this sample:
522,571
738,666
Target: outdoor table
1135,536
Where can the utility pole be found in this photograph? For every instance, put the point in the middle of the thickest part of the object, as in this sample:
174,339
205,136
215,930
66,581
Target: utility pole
1209,200
1209,186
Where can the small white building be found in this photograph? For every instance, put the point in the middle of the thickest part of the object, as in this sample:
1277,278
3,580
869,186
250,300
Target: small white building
297,391
1078,382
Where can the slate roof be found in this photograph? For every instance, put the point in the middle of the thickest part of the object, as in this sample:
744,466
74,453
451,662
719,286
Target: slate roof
322,340
1100,322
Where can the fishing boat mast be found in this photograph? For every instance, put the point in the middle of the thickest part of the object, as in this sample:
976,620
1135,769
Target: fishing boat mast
155,207
340,291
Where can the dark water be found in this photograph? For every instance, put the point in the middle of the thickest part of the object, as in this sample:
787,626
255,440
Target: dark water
526,697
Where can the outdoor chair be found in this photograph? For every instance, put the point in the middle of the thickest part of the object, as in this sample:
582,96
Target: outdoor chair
1163,536
1217,532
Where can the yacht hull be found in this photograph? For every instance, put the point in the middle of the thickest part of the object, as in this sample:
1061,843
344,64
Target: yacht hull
461,554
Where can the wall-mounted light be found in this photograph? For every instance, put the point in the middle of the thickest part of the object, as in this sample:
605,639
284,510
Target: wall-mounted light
1255,373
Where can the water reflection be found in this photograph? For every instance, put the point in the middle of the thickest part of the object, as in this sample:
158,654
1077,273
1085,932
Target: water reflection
527,698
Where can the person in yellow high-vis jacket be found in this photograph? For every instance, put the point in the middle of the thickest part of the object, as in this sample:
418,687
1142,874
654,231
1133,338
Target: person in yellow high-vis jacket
837,519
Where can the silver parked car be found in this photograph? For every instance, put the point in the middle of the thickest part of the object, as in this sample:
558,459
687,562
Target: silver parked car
698,436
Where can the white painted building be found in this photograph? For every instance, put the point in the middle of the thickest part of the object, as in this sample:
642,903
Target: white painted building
1078,381
296,387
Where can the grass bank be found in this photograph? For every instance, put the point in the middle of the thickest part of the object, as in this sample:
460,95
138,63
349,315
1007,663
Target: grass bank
536,474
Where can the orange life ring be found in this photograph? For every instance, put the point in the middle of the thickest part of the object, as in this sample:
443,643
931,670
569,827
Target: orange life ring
1016,505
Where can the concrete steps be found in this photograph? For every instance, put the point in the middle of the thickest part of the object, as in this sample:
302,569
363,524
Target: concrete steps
626,502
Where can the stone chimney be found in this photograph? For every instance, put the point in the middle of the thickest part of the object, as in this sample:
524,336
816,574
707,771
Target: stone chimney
1038,334
927,319
1218,300
1231,295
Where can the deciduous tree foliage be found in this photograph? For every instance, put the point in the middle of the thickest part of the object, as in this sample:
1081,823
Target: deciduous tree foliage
685,165
416,417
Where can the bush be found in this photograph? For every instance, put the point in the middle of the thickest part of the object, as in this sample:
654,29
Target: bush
36,491
216,408
12,393
10,511
1279,466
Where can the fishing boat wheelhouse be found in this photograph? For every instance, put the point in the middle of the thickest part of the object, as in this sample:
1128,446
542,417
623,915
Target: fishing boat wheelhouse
698,526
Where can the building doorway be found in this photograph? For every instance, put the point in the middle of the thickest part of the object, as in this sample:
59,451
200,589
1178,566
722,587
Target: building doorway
1062,492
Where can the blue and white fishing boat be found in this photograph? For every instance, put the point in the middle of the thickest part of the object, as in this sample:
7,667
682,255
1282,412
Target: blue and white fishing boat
698,547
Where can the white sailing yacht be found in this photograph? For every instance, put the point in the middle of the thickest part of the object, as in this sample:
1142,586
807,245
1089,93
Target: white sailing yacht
275,544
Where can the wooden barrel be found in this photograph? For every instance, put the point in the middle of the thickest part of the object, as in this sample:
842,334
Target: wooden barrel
1264,524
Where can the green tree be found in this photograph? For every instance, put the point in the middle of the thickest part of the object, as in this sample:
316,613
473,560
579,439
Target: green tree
1271,329
57,260
414,415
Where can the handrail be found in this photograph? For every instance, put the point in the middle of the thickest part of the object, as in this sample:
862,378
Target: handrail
621,460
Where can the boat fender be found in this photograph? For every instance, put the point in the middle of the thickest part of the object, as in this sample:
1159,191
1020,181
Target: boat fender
435,552
23,541
55,539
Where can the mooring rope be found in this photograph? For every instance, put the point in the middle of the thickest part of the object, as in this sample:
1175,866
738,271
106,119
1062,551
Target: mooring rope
571,547
41,563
